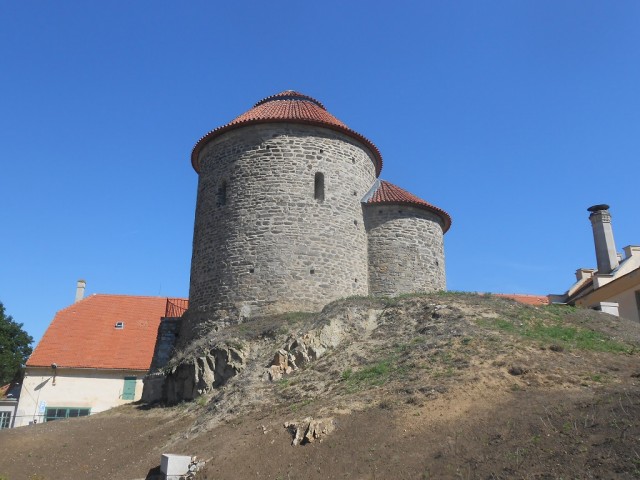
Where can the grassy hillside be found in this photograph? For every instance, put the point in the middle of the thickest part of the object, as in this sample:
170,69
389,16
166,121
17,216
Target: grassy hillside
427,386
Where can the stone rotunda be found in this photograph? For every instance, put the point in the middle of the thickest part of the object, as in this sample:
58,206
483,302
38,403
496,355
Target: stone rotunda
291,215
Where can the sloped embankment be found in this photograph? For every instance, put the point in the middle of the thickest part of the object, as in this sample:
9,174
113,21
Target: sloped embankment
430,386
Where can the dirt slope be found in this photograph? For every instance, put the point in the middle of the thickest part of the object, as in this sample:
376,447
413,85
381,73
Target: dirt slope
437,386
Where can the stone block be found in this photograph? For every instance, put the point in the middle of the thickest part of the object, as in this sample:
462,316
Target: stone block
173,466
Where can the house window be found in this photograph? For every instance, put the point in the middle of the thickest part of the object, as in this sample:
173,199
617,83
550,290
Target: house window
56,413
129,389
638,302
5,420
221,196
318,187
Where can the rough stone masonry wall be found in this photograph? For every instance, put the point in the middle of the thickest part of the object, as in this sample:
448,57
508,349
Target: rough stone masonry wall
272,246
165,341
406,250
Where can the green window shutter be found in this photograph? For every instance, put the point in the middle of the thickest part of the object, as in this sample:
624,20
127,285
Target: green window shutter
129,390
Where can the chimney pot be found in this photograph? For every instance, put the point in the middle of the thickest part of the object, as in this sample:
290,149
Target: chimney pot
597,208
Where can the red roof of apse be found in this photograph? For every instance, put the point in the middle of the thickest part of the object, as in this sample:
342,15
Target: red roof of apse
83,335
292,107
388,193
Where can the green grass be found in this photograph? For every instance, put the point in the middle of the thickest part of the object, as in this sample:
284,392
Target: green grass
375,374
596,377
392,366
283,383
295,317
456,293
568,336
394,301
370,376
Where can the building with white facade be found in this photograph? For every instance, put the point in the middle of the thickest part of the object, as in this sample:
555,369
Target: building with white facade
93,356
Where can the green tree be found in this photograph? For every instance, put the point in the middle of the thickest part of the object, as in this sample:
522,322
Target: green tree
15,347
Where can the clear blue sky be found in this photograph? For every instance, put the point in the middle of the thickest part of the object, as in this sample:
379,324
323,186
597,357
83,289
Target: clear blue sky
512,116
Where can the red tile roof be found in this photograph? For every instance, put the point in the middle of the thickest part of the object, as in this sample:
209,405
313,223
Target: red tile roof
526,299
83,335
292,107
388,193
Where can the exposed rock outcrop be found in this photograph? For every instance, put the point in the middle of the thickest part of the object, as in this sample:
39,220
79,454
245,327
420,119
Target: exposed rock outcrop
309,430
202,368
313,344
196,376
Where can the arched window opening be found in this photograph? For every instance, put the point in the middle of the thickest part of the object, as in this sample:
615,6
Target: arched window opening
221,197
318,191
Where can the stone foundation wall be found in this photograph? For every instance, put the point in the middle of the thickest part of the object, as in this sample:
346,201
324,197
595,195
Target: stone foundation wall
406,250
168,331
263,242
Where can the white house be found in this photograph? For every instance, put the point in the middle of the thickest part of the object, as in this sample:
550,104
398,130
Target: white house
614,287
93,356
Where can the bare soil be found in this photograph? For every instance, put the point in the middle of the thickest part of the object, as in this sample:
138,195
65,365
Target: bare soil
454,386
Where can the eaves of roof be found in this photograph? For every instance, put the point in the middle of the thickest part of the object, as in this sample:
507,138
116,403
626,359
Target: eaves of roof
585,289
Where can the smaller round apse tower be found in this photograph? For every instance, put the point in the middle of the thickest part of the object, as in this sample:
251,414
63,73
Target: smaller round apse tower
279,222
406,241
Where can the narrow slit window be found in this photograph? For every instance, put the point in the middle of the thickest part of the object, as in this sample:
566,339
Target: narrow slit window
318,191
222,194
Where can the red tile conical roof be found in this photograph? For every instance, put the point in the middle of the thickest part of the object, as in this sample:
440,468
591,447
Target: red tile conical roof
390,194
292,107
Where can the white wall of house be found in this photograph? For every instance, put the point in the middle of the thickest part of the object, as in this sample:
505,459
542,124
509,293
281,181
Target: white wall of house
627,304
96,389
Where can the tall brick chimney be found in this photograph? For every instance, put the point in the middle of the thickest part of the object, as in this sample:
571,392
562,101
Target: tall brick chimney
606,254
80,290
